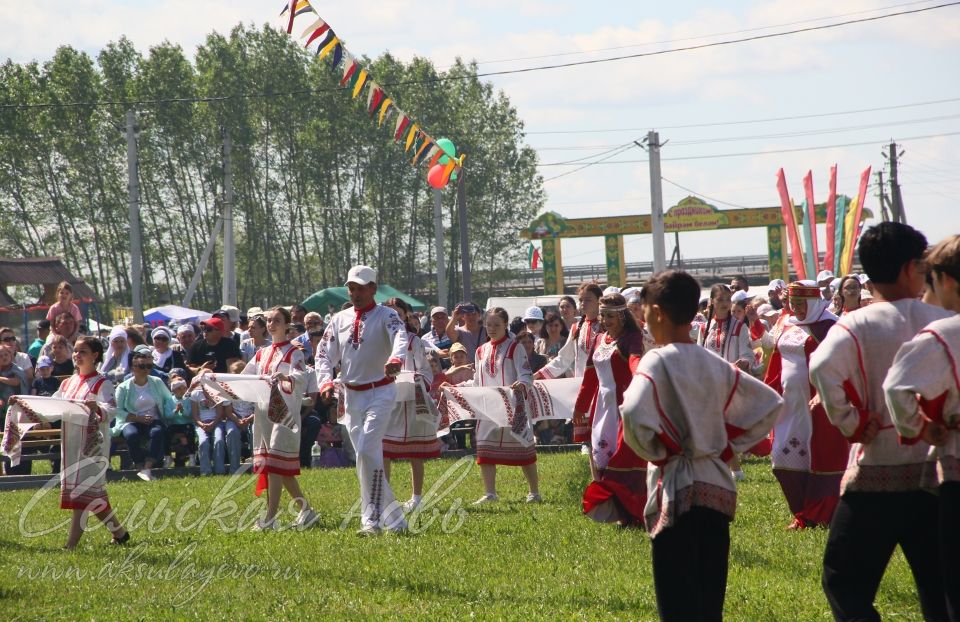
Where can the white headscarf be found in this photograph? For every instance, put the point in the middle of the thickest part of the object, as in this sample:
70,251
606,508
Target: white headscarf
160,358
816,309
112,361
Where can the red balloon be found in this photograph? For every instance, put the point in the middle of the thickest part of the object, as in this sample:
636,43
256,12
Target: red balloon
435,176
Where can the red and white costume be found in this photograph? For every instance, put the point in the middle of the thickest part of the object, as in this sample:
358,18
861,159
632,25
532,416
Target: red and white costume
924,385
276,430
362,342
730,340
840,368
573,357
412,432
501,363
621,474
809,454
688,412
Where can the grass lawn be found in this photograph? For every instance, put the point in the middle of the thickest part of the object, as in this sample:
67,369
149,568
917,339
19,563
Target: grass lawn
509,560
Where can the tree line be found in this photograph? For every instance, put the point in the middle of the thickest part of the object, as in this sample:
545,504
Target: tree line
318,186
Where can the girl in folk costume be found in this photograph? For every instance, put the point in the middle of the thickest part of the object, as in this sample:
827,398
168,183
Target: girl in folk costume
85,450
276,433
723,334
503,362
688,413
412,433
619,489
922,391
809,454
574,354
849,294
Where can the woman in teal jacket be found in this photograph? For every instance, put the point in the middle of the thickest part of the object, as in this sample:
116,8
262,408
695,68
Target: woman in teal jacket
143,402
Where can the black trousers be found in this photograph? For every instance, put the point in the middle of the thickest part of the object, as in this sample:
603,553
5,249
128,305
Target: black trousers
950,545
865,530
690,566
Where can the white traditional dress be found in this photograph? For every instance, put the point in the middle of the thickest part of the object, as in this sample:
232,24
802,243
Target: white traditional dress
412,432
362,342
620,486
847,368
688,412
573,357
276,429
809,454
730,340
501,363
85,437
924,385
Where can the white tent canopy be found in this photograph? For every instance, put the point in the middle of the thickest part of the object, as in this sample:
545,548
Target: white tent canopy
173,313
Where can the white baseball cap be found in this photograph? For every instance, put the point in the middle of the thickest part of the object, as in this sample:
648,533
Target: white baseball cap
824,277
361,275
533,313
776,284
232,312
437,310
740,295
863,278
630,292
611,290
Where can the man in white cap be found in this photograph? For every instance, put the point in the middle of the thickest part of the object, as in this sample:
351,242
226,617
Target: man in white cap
533,320
368,342
775,292
436,338
824,278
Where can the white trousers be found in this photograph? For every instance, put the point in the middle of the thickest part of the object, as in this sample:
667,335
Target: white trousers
368,417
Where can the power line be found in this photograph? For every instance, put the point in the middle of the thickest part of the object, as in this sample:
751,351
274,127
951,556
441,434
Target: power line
700,194
448,78
752,153
750,121
588,165
706,36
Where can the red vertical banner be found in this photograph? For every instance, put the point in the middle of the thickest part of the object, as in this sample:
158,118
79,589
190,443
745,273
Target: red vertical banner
831,220
793,236
810,220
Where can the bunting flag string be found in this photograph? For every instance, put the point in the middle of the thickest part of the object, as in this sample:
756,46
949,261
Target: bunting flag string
355,78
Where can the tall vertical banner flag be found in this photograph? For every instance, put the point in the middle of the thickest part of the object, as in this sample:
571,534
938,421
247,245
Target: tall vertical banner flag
839,217
810,226
849,236
858,214
831,218
533,256
793,236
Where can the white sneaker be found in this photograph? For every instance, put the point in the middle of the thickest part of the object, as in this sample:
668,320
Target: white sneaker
145,475
368,531
488,498
739,476
533,497
168,462
585,450
262,525
398,529
411,505
306,519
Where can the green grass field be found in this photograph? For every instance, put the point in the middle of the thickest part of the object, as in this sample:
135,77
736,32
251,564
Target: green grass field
190,560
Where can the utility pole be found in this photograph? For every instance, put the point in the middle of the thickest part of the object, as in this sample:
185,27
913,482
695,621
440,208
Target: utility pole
133,203
229,250
438,236
884,201
896,198
656,203
464,240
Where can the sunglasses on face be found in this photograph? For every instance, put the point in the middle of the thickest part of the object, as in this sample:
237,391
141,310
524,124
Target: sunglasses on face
8,339
144,366
159,338
209,329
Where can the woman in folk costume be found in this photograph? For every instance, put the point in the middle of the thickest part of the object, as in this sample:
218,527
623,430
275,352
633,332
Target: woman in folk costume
85,450
809,454
619,488
574,354
502,362
412,433
276,432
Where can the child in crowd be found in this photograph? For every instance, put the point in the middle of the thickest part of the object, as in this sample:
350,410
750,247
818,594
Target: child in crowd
180,429
214,433
240,412
45,384
461,370
65,304
689,426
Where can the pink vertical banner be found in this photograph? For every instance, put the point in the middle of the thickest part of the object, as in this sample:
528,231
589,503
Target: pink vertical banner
793,236
861,198
810,224
831,220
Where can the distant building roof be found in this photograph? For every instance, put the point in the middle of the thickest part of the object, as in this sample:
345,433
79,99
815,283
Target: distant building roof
48,271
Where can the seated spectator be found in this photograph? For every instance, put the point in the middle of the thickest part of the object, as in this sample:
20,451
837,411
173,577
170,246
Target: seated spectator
8,339
257,339
143,403
460,370
116,362
517,326
213,433
165,358
537,360
181,437
436,338
215,351
45,384
433,357
552,337
533,320
12,382
61,356
43,331
312,322
241,414
63,305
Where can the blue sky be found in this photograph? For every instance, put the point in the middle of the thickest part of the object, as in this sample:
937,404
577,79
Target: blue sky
897,61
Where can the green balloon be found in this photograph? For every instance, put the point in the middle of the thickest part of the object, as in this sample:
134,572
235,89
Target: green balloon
449,149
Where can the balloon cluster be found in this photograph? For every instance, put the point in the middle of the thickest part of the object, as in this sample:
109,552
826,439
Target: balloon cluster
438,176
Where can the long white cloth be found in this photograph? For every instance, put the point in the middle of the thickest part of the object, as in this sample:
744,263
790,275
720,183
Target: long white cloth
31,411
547,399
